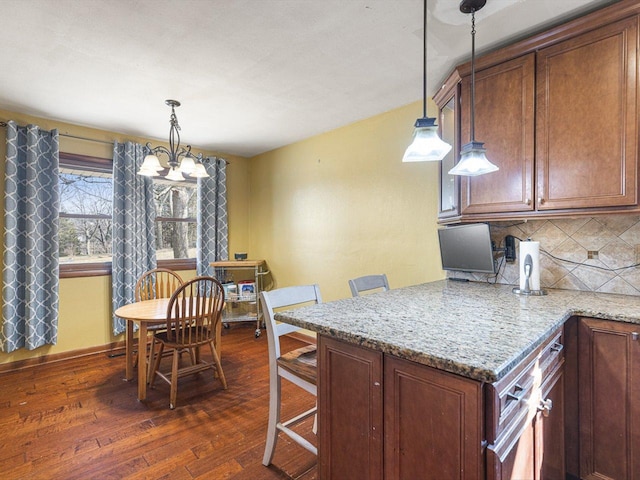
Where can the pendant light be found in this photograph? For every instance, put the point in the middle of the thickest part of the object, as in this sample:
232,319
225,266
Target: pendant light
427,145
473,160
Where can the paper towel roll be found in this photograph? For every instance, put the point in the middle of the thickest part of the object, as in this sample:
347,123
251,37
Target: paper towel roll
533,249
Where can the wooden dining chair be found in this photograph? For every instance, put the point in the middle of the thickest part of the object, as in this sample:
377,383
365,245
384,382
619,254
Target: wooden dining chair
368,283
156,283
194,316
297,366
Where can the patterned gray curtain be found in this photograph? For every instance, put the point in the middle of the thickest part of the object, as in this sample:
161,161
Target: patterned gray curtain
134,215
31,206
212,242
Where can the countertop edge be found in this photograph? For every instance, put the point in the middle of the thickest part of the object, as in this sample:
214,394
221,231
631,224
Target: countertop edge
446,364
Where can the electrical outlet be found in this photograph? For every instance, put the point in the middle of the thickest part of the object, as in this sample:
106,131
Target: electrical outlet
509,249
593,254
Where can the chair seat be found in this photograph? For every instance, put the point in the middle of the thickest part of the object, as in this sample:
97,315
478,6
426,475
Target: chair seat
301,362
163,337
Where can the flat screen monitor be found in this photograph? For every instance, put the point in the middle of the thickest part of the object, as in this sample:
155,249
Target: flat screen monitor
466,248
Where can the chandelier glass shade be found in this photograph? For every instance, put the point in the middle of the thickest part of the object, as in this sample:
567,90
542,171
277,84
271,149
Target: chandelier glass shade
427,146
180,159
473,161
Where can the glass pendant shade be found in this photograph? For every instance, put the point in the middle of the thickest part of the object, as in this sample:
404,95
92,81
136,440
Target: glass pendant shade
199,171
148,172
187,165
427,145
150,166
473,161
175,174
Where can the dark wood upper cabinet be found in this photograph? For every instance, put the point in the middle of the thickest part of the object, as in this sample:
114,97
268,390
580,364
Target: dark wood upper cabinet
558,114
448,101
587,114
504,121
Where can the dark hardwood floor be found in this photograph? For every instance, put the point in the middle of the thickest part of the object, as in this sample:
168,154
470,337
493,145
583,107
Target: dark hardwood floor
78,419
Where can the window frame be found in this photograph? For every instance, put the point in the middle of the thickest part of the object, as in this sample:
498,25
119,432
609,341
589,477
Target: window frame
95,269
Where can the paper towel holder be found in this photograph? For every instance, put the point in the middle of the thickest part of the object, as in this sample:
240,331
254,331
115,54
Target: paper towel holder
527,266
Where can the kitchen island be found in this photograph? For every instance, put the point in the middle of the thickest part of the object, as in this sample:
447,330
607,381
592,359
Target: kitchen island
470,361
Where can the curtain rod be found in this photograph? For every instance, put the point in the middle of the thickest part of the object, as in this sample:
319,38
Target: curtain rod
4,124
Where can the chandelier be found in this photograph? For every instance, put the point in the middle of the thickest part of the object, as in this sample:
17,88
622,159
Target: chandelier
180,159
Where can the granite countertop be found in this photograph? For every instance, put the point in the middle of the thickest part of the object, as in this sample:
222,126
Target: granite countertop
477,330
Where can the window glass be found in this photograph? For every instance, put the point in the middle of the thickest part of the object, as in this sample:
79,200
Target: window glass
176,205
85,216
86,189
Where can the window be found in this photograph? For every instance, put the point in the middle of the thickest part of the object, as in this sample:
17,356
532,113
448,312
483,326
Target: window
176,225
86,189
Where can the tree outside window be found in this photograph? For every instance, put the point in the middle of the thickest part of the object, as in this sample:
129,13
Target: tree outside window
85,221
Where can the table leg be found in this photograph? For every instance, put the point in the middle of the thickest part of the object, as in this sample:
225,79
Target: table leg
142,361
128,342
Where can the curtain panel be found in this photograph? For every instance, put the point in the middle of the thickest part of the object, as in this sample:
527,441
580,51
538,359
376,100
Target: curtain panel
134,215
30,268
212,242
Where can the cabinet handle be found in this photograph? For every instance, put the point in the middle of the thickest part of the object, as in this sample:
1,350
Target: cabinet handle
540,201
528,201
545,407
517,389
634,336
557,347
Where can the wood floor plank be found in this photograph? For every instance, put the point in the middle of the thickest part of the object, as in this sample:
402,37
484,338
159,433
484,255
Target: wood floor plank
78,419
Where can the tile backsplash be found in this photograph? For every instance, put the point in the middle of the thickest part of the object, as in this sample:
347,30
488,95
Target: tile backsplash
588,253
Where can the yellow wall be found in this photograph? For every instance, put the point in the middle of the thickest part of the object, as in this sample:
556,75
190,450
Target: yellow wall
85,303
342,205
326,209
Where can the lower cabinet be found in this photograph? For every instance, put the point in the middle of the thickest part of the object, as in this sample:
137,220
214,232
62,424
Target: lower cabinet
534,448
382,417
432,420
350,416
525,417
553,416
433,423
609,399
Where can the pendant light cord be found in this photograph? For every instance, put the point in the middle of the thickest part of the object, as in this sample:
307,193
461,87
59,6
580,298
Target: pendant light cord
473,75
424,62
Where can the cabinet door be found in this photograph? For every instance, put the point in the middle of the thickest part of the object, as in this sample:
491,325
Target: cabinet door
433,423
609,405
587,120
448,101
533,448
349,411
549,430
513,459
504,121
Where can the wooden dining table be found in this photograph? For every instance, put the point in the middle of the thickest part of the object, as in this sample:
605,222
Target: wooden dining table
145,313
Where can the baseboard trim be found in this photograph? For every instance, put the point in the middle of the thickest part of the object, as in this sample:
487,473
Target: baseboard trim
115,349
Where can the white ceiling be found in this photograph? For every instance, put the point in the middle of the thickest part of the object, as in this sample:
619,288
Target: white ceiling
252,75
